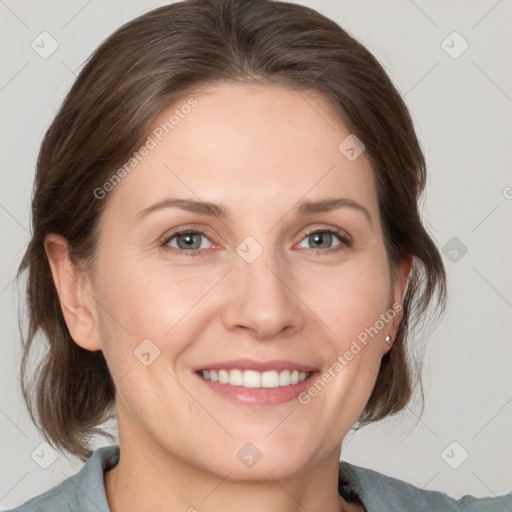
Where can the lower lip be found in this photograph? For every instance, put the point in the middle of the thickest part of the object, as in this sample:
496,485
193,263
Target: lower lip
260,396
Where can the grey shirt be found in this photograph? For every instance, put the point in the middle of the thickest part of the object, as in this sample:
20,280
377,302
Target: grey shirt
85,492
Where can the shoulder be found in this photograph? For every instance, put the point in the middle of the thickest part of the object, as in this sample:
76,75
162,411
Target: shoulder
82,492
379,492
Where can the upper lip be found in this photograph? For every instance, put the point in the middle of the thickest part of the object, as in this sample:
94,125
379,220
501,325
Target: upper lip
259,366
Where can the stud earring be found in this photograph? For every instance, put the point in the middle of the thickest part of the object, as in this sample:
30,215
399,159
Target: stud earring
388,339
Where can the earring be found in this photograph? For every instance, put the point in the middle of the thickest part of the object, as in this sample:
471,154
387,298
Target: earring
388,339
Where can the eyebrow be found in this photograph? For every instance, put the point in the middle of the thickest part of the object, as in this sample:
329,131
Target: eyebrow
325,205
218,211
191,205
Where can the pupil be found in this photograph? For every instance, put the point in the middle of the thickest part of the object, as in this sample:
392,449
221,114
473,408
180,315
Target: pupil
321,239
191,241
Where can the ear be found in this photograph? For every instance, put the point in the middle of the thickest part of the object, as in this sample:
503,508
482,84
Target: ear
398,291
76,301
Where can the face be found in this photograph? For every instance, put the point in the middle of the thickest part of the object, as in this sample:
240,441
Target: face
244,240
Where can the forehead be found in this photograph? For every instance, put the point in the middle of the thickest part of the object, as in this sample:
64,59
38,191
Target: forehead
249,146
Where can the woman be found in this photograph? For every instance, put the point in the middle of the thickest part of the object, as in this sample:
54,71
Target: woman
227,249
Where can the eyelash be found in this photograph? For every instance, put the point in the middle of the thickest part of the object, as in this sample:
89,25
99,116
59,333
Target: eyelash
345,241
185,252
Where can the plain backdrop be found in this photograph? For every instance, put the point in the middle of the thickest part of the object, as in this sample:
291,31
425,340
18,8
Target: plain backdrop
451,61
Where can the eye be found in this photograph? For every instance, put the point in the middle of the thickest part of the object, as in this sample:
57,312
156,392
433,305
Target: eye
187,240
192,241
324,239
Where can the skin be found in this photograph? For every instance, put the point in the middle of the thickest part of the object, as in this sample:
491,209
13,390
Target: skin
259,151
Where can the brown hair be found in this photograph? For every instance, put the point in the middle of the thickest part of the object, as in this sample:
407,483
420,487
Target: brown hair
135,74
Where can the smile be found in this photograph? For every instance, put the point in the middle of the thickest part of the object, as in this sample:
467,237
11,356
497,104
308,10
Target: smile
255,379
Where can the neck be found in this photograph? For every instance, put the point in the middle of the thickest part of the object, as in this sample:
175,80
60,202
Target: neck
148,477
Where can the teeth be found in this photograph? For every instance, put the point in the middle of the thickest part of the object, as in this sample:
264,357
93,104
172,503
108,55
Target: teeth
223,376
253,379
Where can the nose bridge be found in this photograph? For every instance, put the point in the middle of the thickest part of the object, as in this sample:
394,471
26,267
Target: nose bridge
259,260
263,302
262,278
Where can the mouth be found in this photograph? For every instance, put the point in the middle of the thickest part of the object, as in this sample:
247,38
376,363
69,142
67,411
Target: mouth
257,383
253,379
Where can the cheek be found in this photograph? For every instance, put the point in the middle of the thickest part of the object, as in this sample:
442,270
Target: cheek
351,299
148,298
146,301
144,318
350,302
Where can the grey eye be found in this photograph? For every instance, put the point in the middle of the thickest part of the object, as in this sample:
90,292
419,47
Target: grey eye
320,240
189,241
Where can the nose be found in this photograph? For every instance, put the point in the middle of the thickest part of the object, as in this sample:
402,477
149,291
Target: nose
262,301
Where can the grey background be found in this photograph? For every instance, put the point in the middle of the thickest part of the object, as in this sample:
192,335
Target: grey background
462,110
